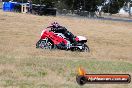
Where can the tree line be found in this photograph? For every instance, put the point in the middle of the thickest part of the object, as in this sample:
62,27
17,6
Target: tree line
107,6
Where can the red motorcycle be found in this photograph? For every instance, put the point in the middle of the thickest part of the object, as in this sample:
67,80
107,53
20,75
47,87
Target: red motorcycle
61,38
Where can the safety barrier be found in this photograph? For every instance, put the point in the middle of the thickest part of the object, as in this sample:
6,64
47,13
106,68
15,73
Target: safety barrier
8,6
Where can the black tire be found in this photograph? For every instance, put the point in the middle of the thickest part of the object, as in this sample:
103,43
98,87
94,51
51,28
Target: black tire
37,44
43,44
49,45
81,80
85,48
53,46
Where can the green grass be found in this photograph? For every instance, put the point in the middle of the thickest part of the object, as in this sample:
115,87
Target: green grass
33,72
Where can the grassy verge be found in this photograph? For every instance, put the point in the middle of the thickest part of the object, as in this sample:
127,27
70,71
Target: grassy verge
38,72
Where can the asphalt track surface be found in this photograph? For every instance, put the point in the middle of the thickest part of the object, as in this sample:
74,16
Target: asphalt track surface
116,19
102,18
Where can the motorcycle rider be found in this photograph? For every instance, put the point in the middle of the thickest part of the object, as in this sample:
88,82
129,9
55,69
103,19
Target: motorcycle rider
55,27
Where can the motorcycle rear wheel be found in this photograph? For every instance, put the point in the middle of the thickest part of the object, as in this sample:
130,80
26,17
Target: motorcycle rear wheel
85,48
